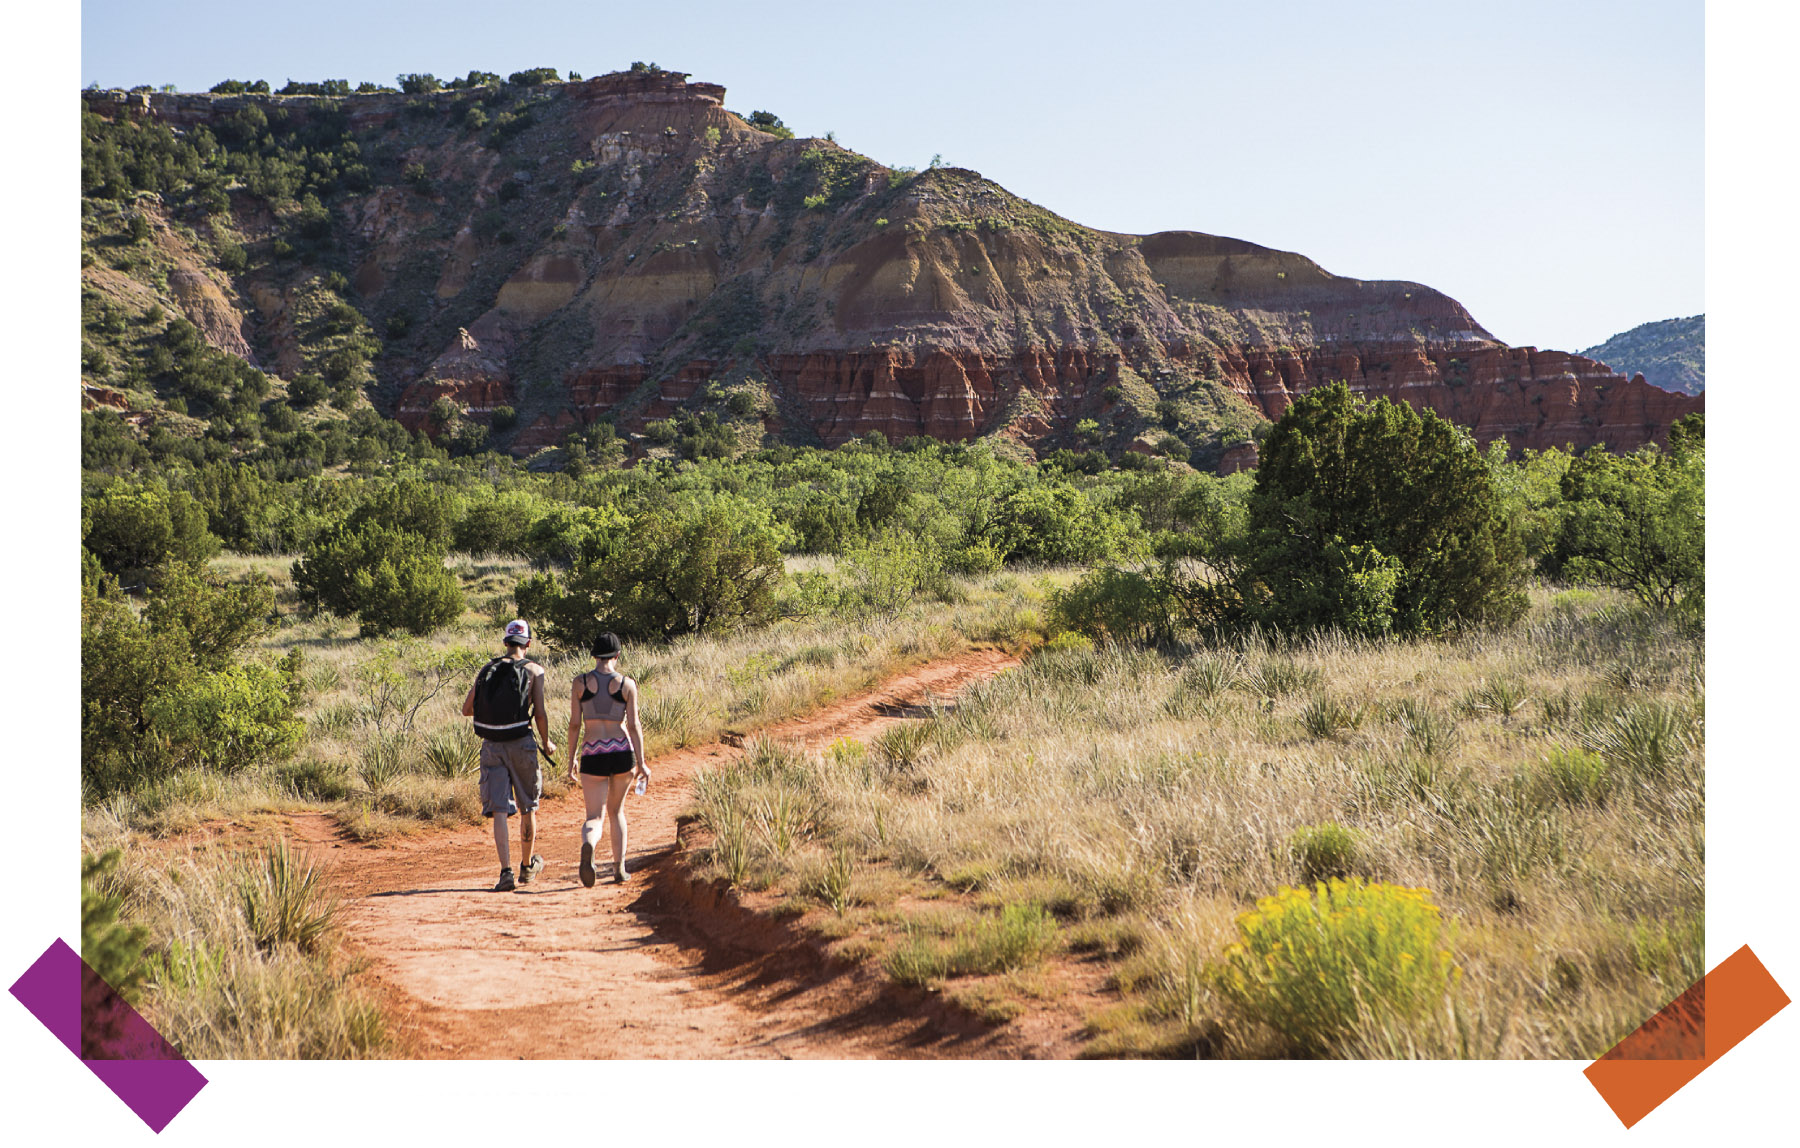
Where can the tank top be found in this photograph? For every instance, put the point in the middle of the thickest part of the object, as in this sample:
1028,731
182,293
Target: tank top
607,705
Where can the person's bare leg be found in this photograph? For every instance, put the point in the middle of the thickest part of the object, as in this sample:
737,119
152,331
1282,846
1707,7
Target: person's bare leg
501,844
527,834
593,799
615,815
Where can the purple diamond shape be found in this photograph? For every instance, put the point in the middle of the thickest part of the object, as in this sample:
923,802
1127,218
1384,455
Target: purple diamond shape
107,1034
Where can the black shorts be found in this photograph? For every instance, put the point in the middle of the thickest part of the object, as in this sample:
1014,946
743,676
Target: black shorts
607,764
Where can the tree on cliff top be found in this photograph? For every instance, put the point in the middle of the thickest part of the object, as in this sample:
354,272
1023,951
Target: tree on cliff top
1377,517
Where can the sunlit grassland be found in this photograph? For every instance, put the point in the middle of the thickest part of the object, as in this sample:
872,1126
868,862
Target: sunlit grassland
1544,782
387,750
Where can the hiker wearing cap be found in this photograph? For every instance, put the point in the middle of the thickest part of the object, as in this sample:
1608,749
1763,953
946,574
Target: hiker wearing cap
505,699
606,751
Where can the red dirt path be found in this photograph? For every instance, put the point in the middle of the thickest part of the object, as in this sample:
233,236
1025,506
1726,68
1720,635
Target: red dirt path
657,968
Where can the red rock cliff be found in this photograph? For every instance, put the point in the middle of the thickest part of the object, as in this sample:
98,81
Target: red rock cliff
639,242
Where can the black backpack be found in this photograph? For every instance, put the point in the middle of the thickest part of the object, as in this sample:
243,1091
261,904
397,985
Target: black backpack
503,699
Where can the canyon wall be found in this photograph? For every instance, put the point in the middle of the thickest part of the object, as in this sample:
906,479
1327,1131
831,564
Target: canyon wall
636,243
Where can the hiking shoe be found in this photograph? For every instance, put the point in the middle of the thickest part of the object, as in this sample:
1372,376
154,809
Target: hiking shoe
531,869
587,864
506,884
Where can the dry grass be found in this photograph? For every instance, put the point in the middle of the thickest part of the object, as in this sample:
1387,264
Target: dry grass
1545,783
242,960
387,751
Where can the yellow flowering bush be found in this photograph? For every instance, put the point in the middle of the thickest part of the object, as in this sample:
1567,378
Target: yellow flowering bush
1310,962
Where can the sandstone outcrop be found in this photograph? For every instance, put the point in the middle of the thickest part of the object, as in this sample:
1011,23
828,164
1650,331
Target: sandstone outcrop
639,242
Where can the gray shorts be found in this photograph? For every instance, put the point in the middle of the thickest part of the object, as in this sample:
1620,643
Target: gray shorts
510,768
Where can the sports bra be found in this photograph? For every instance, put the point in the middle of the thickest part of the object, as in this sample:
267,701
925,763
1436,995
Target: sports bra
597,706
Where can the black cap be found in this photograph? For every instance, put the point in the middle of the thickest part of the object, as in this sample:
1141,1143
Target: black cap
606,645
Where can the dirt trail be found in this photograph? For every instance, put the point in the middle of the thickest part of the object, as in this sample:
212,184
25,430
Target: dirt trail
557,971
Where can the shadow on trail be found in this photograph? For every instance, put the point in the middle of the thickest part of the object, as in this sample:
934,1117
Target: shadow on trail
916,710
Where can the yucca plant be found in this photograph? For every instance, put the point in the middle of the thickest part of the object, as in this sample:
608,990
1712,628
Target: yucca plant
1644,740
1324,716
383,758
453,750
832,885
284,900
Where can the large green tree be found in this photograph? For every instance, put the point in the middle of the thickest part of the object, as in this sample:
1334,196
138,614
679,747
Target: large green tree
1376,517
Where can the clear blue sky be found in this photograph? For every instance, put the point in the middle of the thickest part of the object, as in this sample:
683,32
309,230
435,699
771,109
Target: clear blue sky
1541,162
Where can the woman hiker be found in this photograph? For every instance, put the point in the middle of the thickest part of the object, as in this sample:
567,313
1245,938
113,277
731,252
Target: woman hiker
607,754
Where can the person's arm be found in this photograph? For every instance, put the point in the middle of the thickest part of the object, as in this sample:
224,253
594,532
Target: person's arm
468,709
541,712
575,726
635,730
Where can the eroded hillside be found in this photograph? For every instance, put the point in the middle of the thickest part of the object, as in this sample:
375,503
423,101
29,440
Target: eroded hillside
504,264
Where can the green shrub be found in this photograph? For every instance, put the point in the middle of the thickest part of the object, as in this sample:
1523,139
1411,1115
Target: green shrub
226,721
1053,522
503,526
699,570
1311,965
388,579
111,948
1638,521
1573,777
217,618
307,390
885,574
917,961
1108,604
1019,936
132,529
1323,852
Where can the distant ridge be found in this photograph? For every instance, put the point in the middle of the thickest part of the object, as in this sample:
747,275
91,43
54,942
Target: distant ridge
1670,354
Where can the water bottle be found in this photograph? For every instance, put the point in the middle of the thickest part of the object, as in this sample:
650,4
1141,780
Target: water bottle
639,787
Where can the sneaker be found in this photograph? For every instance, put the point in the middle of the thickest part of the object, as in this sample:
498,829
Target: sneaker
587,864
506,884
619,875
531,869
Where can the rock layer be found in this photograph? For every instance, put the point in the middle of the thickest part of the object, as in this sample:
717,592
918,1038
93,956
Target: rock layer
638,242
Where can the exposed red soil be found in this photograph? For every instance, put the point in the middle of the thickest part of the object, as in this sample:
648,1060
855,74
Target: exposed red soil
661,967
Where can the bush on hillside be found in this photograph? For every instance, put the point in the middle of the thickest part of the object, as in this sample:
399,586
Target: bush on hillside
131,529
